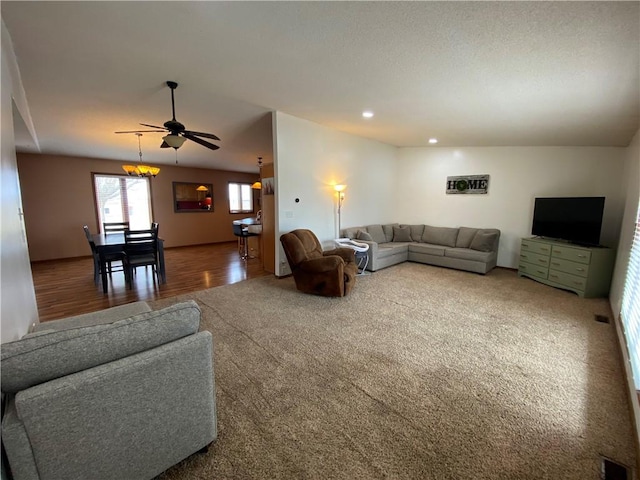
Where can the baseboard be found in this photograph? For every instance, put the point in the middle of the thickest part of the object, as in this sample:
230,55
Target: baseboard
634,396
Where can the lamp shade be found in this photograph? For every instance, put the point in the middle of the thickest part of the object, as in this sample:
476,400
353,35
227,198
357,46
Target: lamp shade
130,169
141,170
257,186
174,141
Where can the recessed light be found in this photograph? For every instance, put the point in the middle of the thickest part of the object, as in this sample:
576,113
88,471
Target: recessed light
433,140
367,114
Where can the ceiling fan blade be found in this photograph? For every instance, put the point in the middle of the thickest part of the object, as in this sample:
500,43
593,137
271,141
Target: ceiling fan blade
200,141
165,145
153,126
200,134
142,131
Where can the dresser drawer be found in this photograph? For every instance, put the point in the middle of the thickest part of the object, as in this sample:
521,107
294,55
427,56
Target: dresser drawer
573,254
535,270
571,281
535,247
534,258
567,266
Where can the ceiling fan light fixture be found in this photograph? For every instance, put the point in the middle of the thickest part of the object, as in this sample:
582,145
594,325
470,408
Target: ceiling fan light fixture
174,141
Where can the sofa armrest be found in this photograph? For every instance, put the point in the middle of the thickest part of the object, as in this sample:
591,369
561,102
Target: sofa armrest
44,355
321,264
373,247
100,317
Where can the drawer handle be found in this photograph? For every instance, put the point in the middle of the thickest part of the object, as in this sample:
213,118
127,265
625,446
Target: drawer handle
578,283
523,256
580,269
541,260
553,276
582,256
542,272
555,263
544,249
559,251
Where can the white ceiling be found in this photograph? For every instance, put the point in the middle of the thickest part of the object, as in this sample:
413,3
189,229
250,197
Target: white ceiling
468,73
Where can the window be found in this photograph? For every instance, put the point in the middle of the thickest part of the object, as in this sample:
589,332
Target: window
240,198
631,305
120,198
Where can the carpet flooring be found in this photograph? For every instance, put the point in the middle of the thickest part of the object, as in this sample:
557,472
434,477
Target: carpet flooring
421,373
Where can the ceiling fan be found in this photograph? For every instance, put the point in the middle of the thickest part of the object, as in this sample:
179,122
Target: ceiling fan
177,131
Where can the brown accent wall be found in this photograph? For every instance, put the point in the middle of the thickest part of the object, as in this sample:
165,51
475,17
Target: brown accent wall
57,195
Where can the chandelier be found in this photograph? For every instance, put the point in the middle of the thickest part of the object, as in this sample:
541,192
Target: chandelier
140,170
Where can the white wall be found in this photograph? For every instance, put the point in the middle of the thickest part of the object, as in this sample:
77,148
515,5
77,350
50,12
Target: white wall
517,176
309,160
17,295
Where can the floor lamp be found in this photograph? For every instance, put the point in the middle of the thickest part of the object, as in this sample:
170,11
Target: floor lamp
340,191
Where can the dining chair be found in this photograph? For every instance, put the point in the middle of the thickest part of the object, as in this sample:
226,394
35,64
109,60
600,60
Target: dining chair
140,250
155,226
114,227
108,258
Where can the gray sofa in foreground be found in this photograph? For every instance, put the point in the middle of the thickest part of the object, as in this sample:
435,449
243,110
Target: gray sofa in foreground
463,248
124,393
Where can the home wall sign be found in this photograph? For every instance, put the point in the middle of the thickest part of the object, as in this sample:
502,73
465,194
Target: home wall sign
468,184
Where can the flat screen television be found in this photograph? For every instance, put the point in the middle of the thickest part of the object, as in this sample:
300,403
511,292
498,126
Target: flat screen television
575,219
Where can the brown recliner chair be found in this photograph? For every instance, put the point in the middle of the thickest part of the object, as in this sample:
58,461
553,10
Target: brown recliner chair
331,273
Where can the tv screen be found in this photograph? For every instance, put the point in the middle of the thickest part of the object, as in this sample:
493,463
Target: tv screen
575,219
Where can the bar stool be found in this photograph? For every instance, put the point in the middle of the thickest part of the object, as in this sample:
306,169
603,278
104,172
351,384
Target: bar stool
243,234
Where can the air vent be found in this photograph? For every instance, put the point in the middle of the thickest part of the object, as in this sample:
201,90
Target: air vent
602,318
612,470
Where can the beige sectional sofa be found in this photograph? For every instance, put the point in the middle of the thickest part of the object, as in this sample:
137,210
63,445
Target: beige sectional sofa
463,248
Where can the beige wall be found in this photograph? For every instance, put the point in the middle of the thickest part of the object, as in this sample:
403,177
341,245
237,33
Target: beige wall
57,195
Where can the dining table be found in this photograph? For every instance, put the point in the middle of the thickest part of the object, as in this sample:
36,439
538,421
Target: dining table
115,242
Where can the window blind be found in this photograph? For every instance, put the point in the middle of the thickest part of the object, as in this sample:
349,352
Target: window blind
240,198
630,312
120,198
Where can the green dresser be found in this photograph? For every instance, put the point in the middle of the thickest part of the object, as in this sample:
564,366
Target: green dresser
584,270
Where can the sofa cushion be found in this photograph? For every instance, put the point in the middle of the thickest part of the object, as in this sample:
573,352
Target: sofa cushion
47,355
401,234
428,249
363,235
484,240
389,249
440,235
388,231
465,236
377,233
468,254
416,231
351,232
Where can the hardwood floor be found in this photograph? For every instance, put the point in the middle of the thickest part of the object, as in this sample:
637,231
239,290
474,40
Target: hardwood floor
65,287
